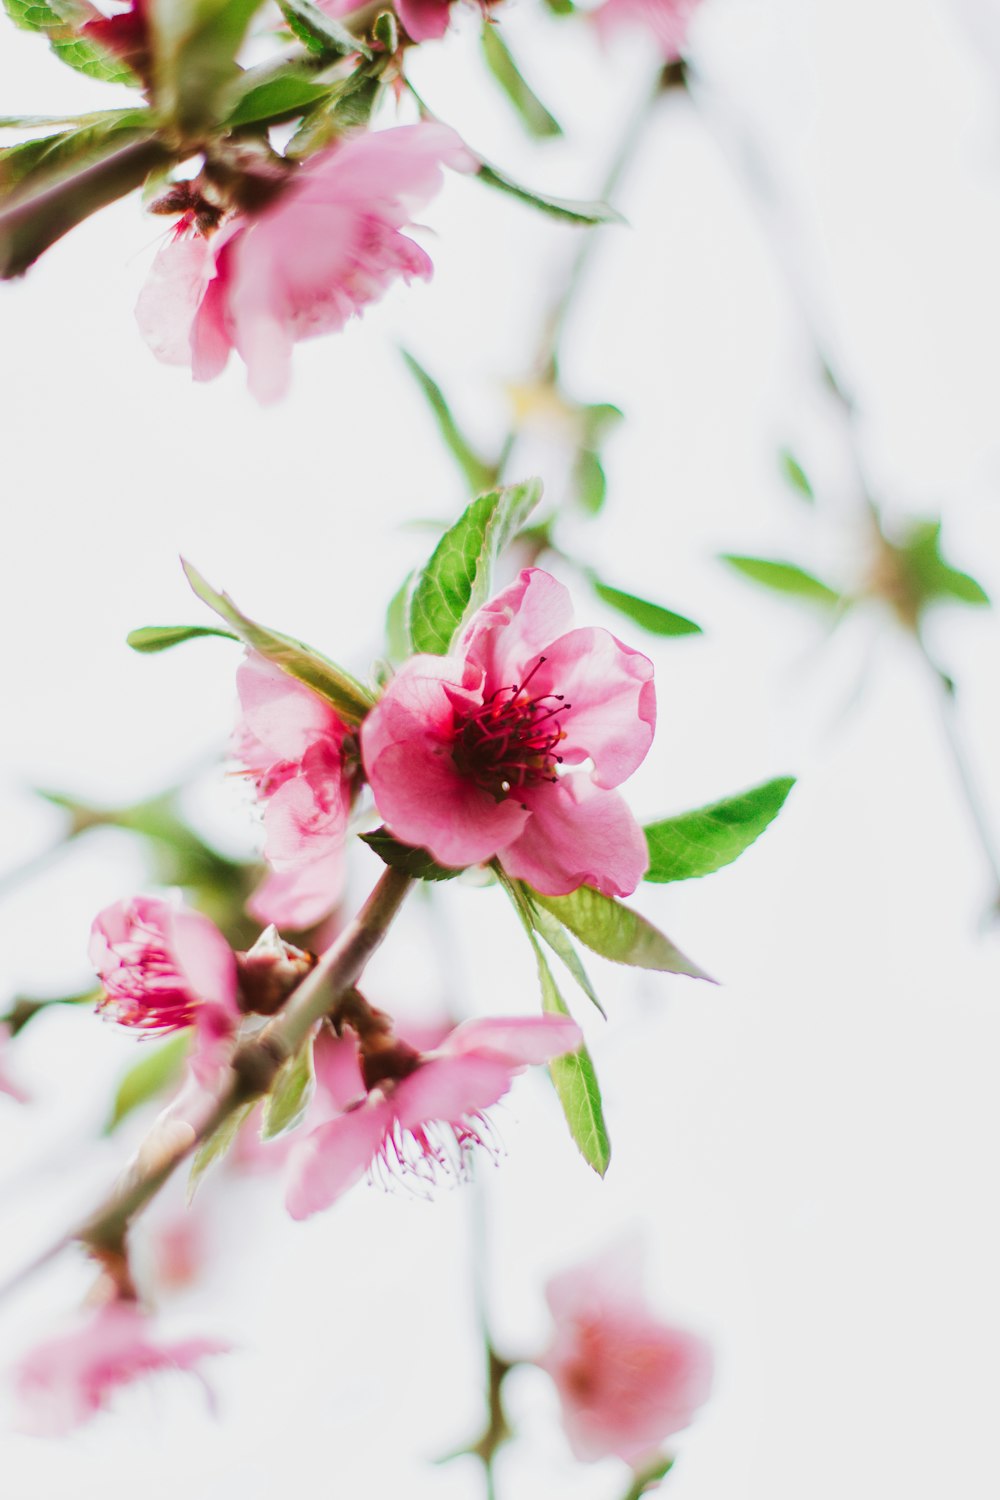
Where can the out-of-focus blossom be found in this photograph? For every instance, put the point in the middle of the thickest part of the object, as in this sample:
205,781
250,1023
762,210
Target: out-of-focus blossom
666,22
422,1109
126,35
66,1380
626,1379
466,753
329,244
8,1085
164,968
293,745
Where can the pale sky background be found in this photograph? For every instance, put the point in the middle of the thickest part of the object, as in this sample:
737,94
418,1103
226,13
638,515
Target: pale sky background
810,1150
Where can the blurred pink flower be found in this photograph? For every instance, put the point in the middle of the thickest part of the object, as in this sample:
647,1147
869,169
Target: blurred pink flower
423,20
626,1380
8,1085
464,752
425,1109
164,968
66,1380
325,248
292,743
666,21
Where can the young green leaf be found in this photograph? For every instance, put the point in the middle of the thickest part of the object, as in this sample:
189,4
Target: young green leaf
282,97
152,638
699,842
590,483
322,33
927,574
194,46
342,691
478,473
288,1101
651,617
532,112
649,1476
458,577
217,1145
575,210
157,1069
59,21
617,932
414,862
783,578
554,934
795,474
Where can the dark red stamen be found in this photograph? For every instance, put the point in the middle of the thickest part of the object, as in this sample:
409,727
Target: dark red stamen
510,741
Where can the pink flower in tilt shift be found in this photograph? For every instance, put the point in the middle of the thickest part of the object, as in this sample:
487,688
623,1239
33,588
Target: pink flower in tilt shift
466,753
164,968
665,21
422,1110
423,20
626,1380
329,244
292,743
67,1380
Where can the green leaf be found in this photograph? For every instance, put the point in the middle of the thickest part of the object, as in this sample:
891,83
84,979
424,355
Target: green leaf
652,617
50,157
397,637
590,482
342,691
287,1102
478,473
649,1476
152,638
783,578
616,932
699,842
59,21
412,861
321,33
350,108
927,573
217,1145
458,577
194,45
157,1070
555,935
575,210
532,112
282,97
795,474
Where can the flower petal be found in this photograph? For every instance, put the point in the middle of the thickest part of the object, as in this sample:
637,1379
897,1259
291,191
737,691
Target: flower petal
506,635
611,700
517,1040
578,835
453,1089
300,897
281,714
334,1157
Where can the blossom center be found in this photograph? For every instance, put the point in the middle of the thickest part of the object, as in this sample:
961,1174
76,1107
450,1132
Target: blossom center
509,742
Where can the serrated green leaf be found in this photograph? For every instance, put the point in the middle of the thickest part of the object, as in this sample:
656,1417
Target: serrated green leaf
575,210
217,1146
783,578
699,842
45,160
279,98
590,483
535,118
343,692
555,935
59,22
795,474
458,577
289,1099
412,861
194,46
649,1476
478,473
320,32
157,1070
616,932
652,617
152,638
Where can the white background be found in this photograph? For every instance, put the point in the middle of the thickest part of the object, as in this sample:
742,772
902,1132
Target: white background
809,1150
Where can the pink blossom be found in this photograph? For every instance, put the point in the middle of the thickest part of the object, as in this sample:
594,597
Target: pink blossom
68,1379
665,21
325,248
164,968
423,20
425,1109
466,753
293,745
625,1379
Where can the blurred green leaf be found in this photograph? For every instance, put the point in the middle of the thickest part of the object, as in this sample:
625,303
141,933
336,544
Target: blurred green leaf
649,1476
59,21
152,638
927,574
282,97
795,474
699,842
532,112
576,210
616,932
157,1070
194,46
783,578
652,617
343,692
350,105
320,32
24,1008
289,1099
458,577
478,473
590,483
412,861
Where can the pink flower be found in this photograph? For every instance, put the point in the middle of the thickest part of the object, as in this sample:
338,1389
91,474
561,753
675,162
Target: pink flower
164,968
666,21
423,20
425,1109
293,745
68,1379
327,246
626,1380
465,753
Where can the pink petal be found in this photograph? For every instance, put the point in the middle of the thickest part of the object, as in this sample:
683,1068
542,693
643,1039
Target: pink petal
205,959
516,1040
281,717
611,697
171,295
425,20
452,1089
334,1157
301,897
507,634
578,835
666,21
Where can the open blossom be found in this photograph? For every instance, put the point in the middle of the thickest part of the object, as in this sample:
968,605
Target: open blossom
423,20
665,21
164,968
66,1380
293,745
326,247
422,1109
466,753
626,1379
